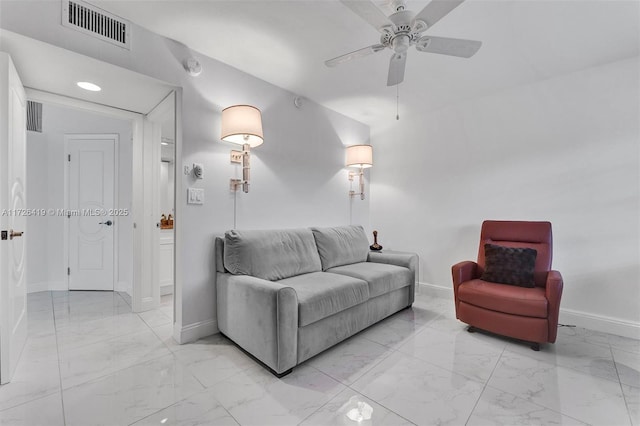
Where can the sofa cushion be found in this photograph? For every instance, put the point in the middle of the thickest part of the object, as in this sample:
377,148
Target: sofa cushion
381,277
509,265
341,245
321,294
530,302
271,255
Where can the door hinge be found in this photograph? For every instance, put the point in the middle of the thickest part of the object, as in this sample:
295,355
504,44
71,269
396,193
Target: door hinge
68,271
69,157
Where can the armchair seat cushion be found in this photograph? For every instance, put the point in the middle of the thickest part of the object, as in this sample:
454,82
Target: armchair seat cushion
382,278
530,302
321,294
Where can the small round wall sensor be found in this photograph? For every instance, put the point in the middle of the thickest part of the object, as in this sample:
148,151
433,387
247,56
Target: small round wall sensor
193,67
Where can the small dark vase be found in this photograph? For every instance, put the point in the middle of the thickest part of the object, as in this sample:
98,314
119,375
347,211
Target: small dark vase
375,246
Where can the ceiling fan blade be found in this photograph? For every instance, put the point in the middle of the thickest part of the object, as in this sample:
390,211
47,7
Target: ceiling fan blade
448,46
396,68
353,55
369,12
435,11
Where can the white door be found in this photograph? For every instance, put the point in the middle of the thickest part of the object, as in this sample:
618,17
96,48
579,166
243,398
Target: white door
91,211
13,294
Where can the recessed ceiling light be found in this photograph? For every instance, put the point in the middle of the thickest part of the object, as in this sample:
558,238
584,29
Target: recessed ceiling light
89,86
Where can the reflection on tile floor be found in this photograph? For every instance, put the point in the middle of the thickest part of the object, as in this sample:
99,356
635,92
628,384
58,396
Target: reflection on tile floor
90,361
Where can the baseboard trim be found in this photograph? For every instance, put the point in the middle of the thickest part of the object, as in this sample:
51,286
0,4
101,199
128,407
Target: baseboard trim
600,323
37,287
435,290
192,332
46,286
123,286
582,319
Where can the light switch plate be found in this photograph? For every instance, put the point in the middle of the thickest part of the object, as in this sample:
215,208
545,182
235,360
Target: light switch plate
195,196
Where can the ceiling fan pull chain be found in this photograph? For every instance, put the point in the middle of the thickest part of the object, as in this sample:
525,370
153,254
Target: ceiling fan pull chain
397,102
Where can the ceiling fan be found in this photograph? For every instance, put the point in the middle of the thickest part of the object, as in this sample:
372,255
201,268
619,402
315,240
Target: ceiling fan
403,29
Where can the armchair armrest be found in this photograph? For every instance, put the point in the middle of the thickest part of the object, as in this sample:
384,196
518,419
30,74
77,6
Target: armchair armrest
260,316
464,271
398,258
553,291
461,272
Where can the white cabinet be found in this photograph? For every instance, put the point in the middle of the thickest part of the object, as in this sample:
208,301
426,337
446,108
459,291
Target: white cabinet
166,261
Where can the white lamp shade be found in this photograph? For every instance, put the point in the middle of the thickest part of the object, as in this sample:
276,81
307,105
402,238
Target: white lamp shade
242,124
360,156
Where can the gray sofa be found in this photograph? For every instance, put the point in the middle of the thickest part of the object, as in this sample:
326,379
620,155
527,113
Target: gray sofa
287,295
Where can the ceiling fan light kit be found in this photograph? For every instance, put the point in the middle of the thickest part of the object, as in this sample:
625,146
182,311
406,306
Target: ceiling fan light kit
403,29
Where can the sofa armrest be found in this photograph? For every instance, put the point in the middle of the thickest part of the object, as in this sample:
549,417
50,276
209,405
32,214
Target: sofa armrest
260,316
398,258
553,290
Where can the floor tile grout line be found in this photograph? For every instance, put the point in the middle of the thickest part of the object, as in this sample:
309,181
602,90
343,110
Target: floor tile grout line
535,403
348,386
111,373
379,403
555,366
567,367
204,389
327,401
103,340
55,329
472,379
624,397
46,395
123,298
115,371
486,383
388,352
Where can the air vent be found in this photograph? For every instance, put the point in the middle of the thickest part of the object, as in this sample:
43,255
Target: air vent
34,116
92,20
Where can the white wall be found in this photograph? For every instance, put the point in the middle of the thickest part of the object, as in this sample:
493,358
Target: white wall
297,175
45,190
563,150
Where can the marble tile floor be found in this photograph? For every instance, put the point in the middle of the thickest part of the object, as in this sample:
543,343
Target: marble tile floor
90,361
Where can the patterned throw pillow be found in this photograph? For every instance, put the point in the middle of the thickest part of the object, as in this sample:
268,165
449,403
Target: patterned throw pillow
509,265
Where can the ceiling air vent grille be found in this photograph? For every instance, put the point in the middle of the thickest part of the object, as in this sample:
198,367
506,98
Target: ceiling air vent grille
34,116
95,21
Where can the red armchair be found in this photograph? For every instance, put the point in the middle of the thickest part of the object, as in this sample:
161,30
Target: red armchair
529,314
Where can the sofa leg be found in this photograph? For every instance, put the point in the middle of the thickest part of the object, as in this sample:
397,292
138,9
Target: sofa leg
535,346
471,329
281,375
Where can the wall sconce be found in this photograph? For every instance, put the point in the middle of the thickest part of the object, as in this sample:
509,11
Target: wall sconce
242,125
360,156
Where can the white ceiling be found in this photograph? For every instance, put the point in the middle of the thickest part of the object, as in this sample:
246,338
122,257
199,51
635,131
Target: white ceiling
286,43
52,69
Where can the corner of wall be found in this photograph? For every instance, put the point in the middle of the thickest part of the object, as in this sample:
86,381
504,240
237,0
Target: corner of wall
192,332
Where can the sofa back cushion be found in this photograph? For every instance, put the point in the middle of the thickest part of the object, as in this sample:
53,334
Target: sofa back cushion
271,255
341,245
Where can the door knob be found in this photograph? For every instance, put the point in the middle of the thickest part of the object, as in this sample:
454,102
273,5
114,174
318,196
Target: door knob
13,234
108,223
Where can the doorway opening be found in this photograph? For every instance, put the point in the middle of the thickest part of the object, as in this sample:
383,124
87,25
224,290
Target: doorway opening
85,152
